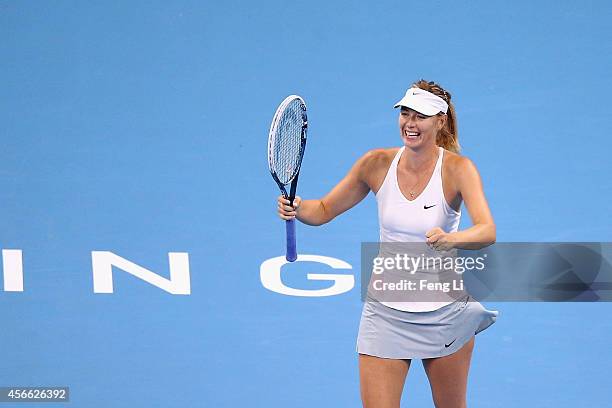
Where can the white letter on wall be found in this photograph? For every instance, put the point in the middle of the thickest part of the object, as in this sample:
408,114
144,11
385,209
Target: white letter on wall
12,265
270,275
103,262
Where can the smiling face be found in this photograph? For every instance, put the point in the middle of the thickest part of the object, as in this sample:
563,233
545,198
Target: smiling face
418,130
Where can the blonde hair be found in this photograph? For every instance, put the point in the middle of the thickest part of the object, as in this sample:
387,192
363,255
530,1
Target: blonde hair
447,137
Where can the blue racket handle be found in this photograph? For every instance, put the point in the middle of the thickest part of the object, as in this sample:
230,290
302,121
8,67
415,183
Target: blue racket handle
291,247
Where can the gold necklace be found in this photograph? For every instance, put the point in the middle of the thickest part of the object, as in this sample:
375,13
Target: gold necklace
411,191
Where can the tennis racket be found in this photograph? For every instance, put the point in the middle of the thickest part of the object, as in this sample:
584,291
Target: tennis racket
286,143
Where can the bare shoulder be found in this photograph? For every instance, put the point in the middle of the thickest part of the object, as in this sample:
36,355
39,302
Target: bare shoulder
373,166
377,159
458,165
461,172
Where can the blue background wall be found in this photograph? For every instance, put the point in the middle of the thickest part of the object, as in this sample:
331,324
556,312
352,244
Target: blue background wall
140,128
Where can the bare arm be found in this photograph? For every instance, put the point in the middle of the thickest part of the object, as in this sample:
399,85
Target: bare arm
482,233
346,194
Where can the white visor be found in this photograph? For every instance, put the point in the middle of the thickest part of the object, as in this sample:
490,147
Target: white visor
423,102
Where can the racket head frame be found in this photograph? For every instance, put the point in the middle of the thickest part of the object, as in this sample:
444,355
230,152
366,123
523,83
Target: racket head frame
272,140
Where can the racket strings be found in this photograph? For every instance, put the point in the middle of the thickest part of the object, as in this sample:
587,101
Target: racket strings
288,144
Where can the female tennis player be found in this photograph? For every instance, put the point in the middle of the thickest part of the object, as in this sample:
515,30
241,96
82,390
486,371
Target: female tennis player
419,189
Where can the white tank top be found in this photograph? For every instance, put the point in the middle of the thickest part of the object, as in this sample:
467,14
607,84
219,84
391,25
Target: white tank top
402,220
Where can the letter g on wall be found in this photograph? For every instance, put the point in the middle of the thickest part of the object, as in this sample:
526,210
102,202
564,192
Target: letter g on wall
270,275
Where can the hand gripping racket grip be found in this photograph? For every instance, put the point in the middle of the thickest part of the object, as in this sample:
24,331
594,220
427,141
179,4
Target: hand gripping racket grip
291,247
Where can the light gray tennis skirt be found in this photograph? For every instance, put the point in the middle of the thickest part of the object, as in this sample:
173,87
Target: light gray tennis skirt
391,333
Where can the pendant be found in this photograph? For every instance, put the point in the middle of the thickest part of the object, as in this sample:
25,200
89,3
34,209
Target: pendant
411,194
